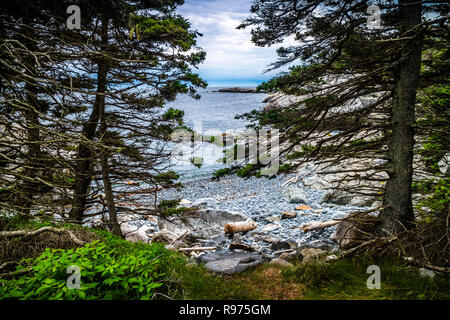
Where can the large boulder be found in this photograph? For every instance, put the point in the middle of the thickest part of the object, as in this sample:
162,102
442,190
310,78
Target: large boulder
202,224
231,262
133,227
280,100
282,245
354,230
334,183
134,233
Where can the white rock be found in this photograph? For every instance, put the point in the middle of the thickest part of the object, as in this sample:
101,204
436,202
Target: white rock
270,227
133,233
273,218
426,273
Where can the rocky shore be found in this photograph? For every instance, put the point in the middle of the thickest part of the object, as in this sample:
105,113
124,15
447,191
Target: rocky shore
280,206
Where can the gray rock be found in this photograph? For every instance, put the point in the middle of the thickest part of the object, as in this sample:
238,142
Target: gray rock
290,256
310,255
295,195
230,263
216,241
203,202
164,236
270,227
281,245
325,197
274,218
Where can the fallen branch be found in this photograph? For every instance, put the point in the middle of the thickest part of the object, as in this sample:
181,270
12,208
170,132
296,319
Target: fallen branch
197,249
8,264
378,241
427,265
283,251
14,273
32,233
243,226
290,181
315,225
179,238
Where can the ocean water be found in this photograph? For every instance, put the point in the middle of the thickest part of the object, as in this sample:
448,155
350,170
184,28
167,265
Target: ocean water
213,114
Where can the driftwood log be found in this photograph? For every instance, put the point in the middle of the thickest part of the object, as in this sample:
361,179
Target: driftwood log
316,225
31,233
241,246
243,226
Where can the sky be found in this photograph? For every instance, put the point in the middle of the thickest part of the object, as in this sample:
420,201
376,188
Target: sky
231,58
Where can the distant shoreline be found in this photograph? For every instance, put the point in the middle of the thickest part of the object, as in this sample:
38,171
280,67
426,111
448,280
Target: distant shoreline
239,90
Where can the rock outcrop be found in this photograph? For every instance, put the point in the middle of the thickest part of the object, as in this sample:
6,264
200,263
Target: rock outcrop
203,224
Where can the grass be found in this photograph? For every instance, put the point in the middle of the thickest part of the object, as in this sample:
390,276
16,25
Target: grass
265,282
341,280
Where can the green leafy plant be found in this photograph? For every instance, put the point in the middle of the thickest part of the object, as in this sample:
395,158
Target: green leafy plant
110,269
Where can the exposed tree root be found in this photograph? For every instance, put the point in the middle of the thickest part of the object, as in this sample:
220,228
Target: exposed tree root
31,233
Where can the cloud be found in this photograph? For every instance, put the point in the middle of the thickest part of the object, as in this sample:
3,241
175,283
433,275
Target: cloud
230,54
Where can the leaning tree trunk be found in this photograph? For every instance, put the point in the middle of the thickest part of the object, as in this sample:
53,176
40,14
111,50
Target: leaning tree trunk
398,214
84,171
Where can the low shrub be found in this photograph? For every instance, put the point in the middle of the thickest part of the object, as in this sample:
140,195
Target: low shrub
110,269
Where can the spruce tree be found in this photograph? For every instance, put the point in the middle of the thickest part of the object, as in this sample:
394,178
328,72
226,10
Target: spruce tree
358,84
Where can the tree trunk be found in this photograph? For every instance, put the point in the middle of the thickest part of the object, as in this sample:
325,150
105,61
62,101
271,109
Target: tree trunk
399,212
84,172
109,196
32,128
114,223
